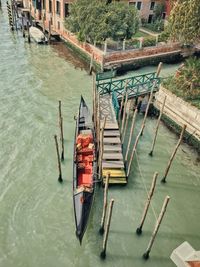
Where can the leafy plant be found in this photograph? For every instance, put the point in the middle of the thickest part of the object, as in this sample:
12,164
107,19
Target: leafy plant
184,22
186,82
95,20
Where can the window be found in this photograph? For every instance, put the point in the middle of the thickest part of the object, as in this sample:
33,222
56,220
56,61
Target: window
152,5
132,3
50,6
58,7
150,18
58,25
163,15
139,4
66,10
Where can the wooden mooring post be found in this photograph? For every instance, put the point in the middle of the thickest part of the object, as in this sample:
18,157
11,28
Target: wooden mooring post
150,195
49,33
134,149
124,113
58,157
62,139
105,240
105,203
157,126
158,223
23,30
101,147
147,108
131,133
61,130
173,155
28,31
159,69
10,16
122,102
91,64
126,125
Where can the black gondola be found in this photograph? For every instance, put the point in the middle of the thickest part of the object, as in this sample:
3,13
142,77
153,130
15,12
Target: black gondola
84,169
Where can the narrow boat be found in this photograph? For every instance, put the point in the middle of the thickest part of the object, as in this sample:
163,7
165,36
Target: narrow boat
84,169
37,35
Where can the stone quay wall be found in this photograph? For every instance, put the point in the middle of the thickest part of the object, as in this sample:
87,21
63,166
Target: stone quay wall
179,111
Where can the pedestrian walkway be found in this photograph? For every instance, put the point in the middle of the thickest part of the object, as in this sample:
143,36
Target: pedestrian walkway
112,160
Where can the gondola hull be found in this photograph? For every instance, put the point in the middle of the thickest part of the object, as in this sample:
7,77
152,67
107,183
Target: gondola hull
84,169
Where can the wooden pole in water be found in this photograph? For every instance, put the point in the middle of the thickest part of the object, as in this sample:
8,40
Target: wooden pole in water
147,108
124,113
61,129
158,223
131,133
134,149
105,203
58,157
173,155
62,139
23,31
159,69
101,147
60,114
122,102
91,64
103,252
126,125
49,34
43,24
157,126
29,38
150,195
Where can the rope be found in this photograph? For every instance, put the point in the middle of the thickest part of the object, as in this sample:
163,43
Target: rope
153,210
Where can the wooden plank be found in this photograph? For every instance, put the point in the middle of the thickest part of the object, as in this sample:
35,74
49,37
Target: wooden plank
111,148
111,133
114,173
111,140
112,156
116,180
112,164
110,125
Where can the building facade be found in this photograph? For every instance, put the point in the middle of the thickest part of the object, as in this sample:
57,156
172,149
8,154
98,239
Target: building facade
55,11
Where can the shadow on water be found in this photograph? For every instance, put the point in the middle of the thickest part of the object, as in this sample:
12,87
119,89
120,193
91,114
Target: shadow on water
63,52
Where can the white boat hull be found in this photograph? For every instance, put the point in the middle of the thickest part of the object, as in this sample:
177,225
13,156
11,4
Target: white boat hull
37,35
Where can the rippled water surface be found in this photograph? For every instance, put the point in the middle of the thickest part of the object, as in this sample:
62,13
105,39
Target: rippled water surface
36,213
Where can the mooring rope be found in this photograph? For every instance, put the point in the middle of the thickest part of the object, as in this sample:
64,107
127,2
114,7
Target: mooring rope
156,217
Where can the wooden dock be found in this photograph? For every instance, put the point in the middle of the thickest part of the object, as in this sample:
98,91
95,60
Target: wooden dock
112,159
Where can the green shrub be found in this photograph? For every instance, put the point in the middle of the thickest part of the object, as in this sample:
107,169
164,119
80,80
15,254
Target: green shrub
149,41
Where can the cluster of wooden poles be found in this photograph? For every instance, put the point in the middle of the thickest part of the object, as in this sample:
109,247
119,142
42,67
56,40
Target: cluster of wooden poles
123,120
60,156
13,16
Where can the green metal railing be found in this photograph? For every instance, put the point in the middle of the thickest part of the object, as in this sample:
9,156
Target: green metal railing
135,85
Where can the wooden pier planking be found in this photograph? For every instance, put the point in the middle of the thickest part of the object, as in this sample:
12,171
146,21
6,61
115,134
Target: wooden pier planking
111,140
111,133
112,160
112,156
111,148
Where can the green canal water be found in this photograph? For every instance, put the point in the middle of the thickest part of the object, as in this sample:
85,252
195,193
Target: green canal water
36,212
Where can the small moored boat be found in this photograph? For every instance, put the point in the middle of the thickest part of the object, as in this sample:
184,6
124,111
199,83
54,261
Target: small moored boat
37,35
84,169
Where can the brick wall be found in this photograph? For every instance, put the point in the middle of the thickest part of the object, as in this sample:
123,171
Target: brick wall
148,51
